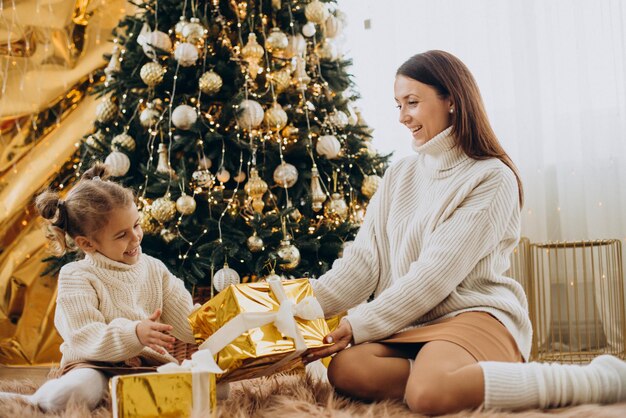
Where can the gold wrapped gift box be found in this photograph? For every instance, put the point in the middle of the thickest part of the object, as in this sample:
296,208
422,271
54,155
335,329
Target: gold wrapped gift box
164,395
257,350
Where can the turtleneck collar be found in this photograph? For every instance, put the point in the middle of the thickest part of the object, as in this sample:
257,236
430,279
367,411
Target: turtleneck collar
104,262
442,152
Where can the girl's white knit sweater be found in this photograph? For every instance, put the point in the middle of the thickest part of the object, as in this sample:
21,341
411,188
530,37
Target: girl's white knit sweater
435,242
101,301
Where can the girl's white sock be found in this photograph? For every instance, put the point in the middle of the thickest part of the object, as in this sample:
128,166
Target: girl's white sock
83,385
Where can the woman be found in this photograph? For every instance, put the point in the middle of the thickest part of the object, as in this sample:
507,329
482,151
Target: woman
432,252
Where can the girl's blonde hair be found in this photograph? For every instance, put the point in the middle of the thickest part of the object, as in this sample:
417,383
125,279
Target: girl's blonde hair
85,208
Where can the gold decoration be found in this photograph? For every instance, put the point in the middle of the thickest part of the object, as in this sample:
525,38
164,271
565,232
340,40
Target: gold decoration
328,146
210,83
148,224
276,117
239,7
225,277
222,175
300,76
240,177
106,110
255,243
256,188
285,175
163,165
250,114
123,141
288,253
316,12
167,235
281,79
252,53
152,73
164,394
296,46
118,163
149,116
317,194
163,209
336,209
185,204
203,178
370,185
290,132
184,117
96,140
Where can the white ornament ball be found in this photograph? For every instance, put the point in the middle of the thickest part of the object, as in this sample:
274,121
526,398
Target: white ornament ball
210,83
297,45
152,73
328,50
156,39
240,177
339,119
184,117
224,277
222,175
370,185
118,163
276,40
186,204
149,116
316,12
285,175
328,146
186,54
308,29
250,114
106,110
163,209
333,26
203,178
276,117
123,141
193,31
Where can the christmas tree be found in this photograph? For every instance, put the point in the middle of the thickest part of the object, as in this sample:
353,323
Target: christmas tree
234,122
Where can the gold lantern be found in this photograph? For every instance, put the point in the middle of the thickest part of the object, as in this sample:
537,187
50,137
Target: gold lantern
252,53
317,194
256,188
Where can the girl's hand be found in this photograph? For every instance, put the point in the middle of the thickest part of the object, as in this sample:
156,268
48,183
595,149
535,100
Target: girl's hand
153,334
341,337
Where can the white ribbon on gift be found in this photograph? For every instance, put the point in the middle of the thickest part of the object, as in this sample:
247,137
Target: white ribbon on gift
284,319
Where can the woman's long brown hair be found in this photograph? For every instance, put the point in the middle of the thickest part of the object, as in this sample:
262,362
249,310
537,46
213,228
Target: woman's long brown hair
470,125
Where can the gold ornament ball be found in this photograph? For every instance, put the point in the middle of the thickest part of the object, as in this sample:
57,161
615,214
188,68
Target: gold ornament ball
210,83
152,73
316,12
289,255
147,223
290,132
240,177
255,243
106,110
285,175
167,235
276,117
123,141
163,209
370,185
282,79
203,178
336,208
222,175
96,140
186,204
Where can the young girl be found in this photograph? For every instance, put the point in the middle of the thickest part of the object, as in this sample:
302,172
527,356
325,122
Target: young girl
433,250
117,308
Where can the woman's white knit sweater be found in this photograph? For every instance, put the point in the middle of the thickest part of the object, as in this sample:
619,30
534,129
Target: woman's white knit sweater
435,242
101,301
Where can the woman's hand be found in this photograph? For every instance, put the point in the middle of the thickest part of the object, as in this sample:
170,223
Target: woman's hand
153,334
341,337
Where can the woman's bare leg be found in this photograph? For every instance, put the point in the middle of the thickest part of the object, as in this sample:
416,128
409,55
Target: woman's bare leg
372,371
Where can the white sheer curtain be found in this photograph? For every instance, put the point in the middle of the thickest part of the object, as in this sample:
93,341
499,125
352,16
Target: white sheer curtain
553,77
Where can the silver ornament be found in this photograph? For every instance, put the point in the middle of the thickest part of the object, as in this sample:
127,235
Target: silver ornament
276,41
276,117
186,204
285,175
225,277
118,163
255,243
123,141
339,119
184,117
163,209
152,73
106,110
370,185
193,31
328,146
203,178
210,83
289,255
308,29
250,114
186,54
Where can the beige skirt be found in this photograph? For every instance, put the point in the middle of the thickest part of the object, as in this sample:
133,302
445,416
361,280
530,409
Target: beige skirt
481,334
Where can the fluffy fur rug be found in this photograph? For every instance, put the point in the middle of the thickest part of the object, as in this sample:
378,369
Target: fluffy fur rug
294,396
